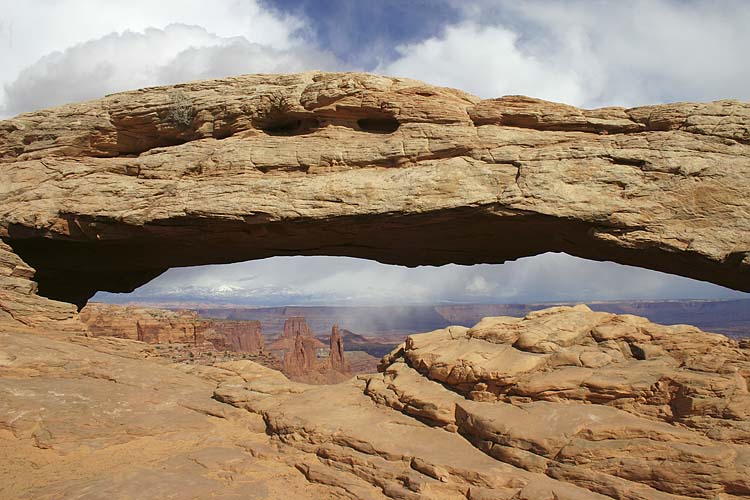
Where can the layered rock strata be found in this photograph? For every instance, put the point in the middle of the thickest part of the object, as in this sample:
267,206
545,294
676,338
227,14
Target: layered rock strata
239,336
153,326
615,404
159,326
301,360
107,194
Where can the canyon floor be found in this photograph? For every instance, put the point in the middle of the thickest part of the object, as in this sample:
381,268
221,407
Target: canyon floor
565,403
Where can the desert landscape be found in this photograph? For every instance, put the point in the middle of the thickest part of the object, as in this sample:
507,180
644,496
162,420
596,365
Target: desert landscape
493,401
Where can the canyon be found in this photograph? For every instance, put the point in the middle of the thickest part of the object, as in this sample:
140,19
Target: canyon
559,403
193,339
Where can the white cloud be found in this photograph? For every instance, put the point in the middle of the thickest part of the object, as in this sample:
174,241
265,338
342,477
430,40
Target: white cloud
128,60
56,51
590,53
30,30
487,61
331,280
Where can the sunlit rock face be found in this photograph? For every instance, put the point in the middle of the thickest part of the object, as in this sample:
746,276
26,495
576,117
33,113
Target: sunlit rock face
107,194
565,403
153,326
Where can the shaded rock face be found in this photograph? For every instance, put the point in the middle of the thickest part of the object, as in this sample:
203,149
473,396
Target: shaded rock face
240,336
22,309
336,358
301,359
368,166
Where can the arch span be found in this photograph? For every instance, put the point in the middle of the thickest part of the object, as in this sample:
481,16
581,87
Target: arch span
107,194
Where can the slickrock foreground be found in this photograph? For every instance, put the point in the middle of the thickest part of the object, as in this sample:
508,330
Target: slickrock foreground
107,194
563,404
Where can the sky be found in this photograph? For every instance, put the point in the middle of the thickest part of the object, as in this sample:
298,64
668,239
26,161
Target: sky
587,53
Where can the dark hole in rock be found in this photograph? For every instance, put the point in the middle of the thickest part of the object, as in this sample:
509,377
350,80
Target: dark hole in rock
290,126
378,125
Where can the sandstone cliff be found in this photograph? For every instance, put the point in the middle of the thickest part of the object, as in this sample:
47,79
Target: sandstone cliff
148,325
239,336
158,326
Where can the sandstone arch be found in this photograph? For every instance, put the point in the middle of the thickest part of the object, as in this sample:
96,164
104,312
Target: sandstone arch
107,194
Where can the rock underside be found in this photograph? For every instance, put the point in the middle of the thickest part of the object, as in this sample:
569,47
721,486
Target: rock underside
565,403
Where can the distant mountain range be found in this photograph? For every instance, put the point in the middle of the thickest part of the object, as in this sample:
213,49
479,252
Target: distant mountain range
730,317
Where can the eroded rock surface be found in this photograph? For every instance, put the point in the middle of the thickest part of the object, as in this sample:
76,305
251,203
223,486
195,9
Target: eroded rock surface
615,404
563,404
336,357
107,194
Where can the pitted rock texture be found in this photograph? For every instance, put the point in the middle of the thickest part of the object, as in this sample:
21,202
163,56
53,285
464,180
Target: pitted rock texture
107,194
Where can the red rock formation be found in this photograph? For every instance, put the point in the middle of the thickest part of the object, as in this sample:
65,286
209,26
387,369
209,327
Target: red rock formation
336,358
292,326
295,325
301,360
239,336
154,326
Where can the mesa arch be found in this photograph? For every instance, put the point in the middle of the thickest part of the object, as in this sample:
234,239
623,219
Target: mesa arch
107,194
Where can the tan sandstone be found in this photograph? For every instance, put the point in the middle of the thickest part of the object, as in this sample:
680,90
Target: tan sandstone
107,194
